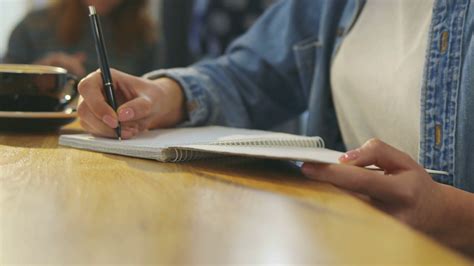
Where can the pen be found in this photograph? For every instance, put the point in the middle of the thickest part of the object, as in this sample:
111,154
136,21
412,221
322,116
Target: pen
429,171
104,64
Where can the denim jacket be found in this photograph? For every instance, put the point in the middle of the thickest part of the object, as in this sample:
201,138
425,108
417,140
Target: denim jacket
281,68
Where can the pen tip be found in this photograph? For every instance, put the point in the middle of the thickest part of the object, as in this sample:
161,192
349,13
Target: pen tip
120,138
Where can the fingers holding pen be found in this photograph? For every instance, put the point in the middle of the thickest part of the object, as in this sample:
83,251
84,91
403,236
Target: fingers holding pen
97,116
90,89
92,124
97,128
142,104
134,110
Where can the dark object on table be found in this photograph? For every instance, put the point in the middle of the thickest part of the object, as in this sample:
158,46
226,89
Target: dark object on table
35,98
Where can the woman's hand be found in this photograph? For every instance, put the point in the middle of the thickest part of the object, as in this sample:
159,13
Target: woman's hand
143,104
73,63
404,190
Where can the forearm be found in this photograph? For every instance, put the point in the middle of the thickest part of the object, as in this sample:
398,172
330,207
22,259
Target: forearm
457,230
254,78
201,103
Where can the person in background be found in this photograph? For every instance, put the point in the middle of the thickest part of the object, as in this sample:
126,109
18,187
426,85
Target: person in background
198,29
398,70
61,36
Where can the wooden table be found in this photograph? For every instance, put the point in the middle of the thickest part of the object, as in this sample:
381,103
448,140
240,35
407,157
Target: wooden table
63,206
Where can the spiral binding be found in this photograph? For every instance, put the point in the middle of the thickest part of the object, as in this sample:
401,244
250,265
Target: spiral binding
182,155
303,142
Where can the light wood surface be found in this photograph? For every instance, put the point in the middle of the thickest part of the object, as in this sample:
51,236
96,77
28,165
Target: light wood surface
63,206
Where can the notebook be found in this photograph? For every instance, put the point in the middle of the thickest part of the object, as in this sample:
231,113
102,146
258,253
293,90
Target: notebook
186,144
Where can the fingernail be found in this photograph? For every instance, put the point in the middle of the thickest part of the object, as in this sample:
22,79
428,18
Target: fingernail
110,121
349,156
126,114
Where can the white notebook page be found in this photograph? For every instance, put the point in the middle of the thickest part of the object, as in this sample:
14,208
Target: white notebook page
150,144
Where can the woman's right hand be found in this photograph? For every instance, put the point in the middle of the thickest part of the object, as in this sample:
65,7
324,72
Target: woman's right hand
73,63
143,104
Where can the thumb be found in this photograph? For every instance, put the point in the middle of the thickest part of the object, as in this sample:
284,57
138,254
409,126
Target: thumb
378,153
135,109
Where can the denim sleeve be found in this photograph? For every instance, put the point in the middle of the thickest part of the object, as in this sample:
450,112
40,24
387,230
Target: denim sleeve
256,83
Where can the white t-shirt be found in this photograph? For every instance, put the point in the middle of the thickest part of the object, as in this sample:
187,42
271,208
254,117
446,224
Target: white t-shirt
378,72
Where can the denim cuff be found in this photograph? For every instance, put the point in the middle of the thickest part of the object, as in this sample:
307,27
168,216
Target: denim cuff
200,103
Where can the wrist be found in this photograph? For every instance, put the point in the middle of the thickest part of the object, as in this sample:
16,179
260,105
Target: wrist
172,98
456,219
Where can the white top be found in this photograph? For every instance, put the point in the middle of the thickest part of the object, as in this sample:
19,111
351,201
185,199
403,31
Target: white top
377,74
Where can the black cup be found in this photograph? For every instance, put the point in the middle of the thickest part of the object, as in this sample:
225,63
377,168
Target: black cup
34,88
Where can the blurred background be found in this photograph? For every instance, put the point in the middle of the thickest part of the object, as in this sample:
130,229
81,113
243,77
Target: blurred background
141,35
13,11
183,31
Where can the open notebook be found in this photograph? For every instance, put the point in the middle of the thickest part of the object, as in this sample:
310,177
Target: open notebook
185,144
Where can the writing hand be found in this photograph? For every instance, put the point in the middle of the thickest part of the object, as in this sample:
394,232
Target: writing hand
143,104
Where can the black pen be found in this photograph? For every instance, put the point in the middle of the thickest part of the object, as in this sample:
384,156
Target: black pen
104,64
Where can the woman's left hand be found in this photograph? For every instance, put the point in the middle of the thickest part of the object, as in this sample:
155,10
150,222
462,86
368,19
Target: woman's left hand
404,190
